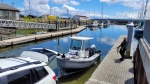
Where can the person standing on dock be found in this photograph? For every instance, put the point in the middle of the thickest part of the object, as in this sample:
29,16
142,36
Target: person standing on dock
122,49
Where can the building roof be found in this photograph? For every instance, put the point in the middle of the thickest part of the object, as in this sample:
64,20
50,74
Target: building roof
82,16
7,7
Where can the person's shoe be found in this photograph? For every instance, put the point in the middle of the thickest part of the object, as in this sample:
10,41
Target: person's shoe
121,59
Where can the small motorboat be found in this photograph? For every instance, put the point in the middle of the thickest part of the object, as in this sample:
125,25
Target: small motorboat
81,54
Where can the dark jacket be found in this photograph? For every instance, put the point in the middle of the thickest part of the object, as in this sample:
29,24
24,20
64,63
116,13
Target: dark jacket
123,45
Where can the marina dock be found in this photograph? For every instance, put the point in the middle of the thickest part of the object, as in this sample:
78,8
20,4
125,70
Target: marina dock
113,71
26,39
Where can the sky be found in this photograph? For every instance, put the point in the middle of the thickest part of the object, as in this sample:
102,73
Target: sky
118,9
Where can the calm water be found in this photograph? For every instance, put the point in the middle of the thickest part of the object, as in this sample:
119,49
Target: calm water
104,38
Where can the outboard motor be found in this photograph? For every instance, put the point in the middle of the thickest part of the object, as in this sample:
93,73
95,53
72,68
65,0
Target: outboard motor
92,50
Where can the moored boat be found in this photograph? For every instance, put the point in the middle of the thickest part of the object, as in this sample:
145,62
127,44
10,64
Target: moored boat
80,54
94,24
139,29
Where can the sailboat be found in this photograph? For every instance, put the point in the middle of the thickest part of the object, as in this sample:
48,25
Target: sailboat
139,29
104,22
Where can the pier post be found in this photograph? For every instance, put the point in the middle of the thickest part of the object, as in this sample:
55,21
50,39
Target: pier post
71,23
79,23
1,38
56,24
129,39
65,24
86,23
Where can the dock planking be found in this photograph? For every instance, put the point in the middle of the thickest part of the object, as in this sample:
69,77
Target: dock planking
113,71
25,39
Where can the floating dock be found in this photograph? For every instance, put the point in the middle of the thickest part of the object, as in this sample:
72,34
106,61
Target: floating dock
25,39
113,71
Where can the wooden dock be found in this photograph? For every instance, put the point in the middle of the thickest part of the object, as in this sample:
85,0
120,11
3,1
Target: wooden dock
113,71
25,39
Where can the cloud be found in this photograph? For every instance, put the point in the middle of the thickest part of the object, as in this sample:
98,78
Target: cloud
134,4
40,7
71,10
106,40
110,1
60,1
71,2
36,7
127,15
75,3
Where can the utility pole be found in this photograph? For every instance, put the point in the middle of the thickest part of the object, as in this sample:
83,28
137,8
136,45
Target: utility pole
1,1
102,10
50,11
54,10
12,4
68,12
29,8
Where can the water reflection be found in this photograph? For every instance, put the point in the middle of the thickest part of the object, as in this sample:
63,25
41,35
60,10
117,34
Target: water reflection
107,40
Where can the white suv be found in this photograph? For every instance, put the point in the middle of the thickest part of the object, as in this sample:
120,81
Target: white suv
20,70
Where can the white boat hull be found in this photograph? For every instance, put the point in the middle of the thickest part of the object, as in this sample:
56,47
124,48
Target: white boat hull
77,63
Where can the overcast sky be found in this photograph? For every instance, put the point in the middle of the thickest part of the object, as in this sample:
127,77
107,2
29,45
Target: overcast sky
127,9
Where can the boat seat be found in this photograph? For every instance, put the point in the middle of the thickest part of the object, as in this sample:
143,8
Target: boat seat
76,48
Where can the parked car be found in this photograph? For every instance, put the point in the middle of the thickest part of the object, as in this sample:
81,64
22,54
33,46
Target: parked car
21,70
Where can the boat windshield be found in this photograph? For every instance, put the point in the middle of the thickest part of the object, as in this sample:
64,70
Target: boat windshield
75,44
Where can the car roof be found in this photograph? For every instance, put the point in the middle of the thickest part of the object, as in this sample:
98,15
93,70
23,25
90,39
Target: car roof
15,64
14,61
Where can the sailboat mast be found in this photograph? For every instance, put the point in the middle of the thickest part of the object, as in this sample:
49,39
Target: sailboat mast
102,10
145,8
29,7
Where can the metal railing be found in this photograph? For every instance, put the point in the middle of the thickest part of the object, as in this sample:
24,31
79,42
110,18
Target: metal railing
23,24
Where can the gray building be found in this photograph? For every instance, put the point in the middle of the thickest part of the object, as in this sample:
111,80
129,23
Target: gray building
8,12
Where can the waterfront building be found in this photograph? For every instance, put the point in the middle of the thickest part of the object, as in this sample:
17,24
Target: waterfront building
44,16
80,18
8,12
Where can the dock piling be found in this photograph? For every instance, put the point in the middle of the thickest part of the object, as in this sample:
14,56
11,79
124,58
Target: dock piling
129,39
